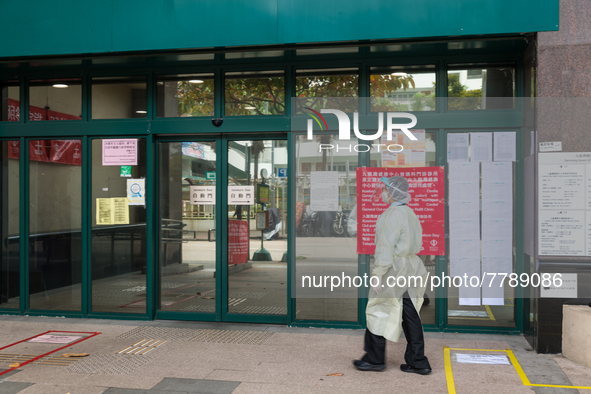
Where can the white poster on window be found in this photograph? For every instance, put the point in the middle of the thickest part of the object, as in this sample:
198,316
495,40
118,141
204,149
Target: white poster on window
481,146
505,146
457,147
564,209
240,195
202,195
324,191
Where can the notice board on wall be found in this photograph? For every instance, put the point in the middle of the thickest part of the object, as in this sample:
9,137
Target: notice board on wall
427,189
564,207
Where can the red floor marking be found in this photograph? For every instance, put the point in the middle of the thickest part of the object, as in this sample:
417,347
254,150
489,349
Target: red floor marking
53,351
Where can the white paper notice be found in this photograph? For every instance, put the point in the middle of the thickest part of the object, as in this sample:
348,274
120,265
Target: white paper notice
202,195
457,147
493,290
562,233
324,191
567,289
136,191
481,146
505,146
240,195
562,186
564,209
464,226
482,359
497,218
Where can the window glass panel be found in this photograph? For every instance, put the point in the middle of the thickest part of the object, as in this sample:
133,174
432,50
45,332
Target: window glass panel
55,222
9,225
187,243
118,97
255,93
185,95
321,85
325,240
9,101
480,87
257,273
118,245
55,99
402,89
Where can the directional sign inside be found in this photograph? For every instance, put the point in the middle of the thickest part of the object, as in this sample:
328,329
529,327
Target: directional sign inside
282,172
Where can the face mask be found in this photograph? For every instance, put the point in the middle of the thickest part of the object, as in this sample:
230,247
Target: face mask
385,197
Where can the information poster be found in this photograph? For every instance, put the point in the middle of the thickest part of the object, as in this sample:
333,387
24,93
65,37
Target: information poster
202,195
564,209
240,195
324,191
427,188
413,154
112,211
136,191
120,152
237,241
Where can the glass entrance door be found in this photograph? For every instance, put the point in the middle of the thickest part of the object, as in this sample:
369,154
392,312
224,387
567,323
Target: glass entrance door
214,263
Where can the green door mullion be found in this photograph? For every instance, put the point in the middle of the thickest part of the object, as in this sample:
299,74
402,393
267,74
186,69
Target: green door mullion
24,227
363,260
218,93
290,88
441,261
222,231
86,97
519,293
86,280
151,218
290,227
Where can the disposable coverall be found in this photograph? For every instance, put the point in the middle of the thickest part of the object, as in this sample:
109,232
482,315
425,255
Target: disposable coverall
398,240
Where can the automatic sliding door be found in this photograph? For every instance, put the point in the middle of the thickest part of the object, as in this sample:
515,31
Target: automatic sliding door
187,227
257,268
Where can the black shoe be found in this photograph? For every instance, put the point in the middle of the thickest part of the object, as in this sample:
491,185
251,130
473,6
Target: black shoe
365,366
420,371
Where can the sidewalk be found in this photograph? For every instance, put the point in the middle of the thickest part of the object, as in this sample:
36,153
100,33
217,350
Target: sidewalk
221,358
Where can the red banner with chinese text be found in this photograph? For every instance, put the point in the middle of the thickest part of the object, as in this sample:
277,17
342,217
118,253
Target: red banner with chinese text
39,150
427,189
237,241
66,152
35,113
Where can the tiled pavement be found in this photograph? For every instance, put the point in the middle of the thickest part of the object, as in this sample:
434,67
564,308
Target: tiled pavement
281,360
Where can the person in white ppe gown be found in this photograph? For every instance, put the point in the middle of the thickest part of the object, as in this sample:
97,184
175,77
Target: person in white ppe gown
391,308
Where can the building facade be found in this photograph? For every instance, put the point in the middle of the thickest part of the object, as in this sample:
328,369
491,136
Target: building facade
156,161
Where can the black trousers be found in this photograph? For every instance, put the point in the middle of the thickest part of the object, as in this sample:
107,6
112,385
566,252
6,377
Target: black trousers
375,345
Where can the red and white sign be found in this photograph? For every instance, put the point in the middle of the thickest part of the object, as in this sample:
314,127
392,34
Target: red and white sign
237,241
35,113
427,188
66,152
39,150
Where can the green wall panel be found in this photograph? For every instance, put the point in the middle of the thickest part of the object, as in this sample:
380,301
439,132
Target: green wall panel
61,27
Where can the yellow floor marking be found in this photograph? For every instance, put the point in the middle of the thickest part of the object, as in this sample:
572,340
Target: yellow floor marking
489,312
451,387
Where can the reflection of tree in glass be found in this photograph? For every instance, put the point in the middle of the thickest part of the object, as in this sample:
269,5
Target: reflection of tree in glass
383,85
255,96
195,99
459,95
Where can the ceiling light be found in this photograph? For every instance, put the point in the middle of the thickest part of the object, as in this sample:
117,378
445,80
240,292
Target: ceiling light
60,86
141,112
250,108
399,74
195,81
